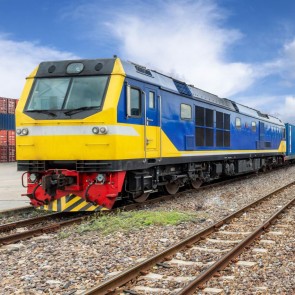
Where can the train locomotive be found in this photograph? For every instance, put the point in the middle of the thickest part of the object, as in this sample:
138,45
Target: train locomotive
92,132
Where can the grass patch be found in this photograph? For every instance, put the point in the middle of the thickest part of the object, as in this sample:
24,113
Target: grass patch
126,221
63,235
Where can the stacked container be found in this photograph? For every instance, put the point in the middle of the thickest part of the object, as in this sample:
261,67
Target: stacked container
7,129
290,142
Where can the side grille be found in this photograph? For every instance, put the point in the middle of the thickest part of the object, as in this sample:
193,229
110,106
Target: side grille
80,166
91,166
33,166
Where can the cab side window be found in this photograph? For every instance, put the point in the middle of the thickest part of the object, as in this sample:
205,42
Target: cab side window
133,102
151,100
238,123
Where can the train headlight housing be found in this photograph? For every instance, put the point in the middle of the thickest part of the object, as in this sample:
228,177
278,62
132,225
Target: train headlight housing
33,177
22,131
25,131
100,130
75,68
100,178
95,130
103,130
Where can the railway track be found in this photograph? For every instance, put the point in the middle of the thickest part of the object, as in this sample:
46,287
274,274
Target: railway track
189,264
26,232
264,260
44,228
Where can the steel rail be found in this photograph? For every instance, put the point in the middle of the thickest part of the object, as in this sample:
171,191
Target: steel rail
26,222
16,210
119,280
226,259
38,231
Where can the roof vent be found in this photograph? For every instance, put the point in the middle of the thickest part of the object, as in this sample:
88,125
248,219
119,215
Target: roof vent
182,88
143,70
262,115
235,106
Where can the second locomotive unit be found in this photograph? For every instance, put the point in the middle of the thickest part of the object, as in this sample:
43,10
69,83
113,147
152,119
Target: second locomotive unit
90,132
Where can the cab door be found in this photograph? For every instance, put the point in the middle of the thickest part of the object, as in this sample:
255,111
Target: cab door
152,122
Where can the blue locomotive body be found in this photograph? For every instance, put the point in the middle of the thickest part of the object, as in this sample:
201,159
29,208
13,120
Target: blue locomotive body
201,126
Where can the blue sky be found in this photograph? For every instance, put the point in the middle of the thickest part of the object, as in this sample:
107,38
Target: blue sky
240,49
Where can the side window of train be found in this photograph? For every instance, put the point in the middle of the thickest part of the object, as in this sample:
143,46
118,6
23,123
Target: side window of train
185,112
253,126
238,123
133,102
151,99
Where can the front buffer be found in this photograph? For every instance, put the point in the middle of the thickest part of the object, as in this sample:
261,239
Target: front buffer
71,191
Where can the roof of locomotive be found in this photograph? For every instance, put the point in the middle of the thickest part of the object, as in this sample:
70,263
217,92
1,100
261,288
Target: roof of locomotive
106,66
169,83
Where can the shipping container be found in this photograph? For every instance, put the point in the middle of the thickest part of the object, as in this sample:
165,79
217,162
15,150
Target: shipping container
7,121
8,105
3,137
7,146
11,137
4,153
290,141
11,153
3,105
7,129
11,105
7,113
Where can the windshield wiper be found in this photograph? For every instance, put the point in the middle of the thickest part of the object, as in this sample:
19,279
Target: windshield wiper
78,110
47,112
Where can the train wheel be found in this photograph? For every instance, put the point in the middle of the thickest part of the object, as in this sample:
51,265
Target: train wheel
196,183
171,188
141,198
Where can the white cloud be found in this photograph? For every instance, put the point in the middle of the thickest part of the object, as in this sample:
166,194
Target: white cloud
280,106
286,110
19,59
284,65
187,38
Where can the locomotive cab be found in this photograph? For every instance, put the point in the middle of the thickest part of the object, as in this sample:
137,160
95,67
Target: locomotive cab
67,134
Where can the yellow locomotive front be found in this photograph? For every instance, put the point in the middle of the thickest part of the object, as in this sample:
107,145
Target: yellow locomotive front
68,137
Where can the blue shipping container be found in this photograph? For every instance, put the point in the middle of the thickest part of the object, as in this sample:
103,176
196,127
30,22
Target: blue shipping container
7,122
290,139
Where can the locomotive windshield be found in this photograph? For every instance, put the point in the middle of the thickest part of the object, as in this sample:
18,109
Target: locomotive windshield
77,93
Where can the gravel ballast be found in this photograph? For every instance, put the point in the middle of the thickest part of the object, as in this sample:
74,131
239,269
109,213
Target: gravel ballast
69,262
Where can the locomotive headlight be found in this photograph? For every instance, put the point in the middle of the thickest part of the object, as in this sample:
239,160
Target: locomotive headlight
75,68
100,130
95,130
103,130
33,177
25,131
22,131
100,178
